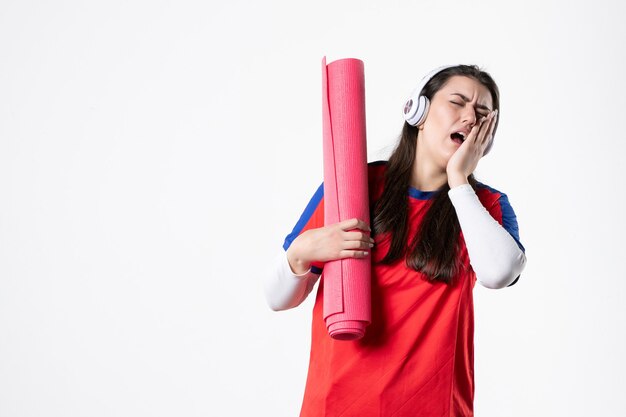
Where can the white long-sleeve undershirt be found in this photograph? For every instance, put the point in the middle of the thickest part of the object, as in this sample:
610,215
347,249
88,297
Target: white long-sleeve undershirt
283,288
494,255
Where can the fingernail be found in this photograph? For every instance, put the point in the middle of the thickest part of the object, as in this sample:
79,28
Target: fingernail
371,245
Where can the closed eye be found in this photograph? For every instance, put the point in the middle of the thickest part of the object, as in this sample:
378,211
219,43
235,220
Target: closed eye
461,105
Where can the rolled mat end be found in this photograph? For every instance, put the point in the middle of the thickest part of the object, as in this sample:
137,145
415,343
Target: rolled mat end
347,330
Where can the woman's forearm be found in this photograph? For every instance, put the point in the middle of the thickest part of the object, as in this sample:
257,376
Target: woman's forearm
283,288
494,255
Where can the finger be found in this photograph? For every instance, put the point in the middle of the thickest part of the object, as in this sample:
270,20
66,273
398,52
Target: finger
490,128
484,129
363,226
354,224
483,136
359,236
356,244
493,124
348,224
489,133
353,254
475,130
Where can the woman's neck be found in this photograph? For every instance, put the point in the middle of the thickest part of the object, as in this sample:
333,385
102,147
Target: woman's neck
427,176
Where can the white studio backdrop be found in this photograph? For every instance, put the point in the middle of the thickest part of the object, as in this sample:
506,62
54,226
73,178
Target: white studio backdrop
153,155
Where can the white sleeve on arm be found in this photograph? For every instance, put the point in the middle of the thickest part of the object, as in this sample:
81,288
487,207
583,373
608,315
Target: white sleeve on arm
494,255
283,288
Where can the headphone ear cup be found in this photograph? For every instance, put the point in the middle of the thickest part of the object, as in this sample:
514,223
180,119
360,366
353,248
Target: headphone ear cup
423,110
415,110
416,107
410,108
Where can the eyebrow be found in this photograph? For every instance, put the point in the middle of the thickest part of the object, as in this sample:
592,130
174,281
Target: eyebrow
480,106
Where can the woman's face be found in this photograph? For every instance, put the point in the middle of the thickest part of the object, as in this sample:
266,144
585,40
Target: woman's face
456,107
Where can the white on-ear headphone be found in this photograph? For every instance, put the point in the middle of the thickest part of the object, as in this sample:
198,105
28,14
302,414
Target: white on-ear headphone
416,107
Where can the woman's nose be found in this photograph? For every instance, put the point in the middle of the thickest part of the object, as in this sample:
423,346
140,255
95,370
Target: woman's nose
469,116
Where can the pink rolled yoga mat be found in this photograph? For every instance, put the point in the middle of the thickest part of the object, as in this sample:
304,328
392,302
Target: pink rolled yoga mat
347,283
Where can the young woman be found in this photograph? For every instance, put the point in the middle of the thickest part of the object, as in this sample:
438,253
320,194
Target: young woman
436,230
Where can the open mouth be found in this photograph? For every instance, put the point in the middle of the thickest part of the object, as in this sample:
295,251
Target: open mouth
458,137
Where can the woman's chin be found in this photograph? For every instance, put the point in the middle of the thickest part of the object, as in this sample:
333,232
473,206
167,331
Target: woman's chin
446,155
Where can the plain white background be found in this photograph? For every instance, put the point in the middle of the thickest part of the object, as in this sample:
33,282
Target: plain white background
154,154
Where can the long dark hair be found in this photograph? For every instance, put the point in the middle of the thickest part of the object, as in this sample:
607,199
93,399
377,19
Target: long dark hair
434,248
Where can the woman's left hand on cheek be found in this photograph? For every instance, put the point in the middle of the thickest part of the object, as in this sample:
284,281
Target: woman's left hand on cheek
464,161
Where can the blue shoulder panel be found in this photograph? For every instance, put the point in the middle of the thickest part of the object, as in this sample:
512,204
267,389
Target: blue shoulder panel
509,220
305,217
